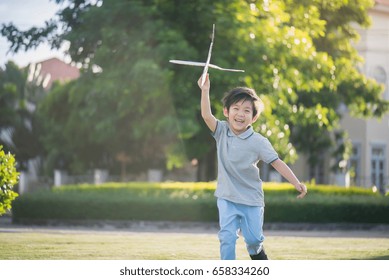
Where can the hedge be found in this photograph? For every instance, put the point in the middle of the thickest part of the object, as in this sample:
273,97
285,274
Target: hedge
195,202
8,178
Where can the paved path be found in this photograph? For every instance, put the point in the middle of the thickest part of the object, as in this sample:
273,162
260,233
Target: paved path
273,229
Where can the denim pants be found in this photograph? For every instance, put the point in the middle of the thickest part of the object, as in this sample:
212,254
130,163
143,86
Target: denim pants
234,217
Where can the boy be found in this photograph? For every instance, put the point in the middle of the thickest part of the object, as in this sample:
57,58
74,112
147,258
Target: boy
239,192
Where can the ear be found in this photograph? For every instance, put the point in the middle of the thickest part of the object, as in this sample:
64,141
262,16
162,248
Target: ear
255,118
225,112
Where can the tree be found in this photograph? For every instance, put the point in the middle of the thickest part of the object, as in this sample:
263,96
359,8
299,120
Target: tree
346,85
122,108
19,127
297,55
8,178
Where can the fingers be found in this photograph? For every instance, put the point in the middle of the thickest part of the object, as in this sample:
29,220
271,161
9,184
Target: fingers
206,84
301,195
302,189
199,81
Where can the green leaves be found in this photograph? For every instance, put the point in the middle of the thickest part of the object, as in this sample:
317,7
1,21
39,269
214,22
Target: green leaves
26,40
8,178
298,56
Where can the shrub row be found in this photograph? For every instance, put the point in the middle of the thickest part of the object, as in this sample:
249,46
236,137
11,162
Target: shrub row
195,202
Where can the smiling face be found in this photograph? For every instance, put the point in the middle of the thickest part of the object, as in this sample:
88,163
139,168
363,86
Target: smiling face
240,116
242,107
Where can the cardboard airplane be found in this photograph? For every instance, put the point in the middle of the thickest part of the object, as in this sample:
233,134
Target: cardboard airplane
206,64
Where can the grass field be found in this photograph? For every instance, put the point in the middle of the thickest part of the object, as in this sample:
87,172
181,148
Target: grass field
124,245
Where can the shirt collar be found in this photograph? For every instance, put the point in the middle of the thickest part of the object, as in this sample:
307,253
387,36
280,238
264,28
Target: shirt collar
243,135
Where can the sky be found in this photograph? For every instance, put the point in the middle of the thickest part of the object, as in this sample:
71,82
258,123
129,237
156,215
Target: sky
26,14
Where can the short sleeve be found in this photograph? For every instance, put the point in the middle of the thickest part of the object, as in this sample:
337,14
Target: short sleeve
219,129
267,152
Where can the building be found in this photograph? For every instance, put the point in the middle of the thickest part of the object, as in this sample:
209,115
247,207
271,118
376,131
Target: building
370,138
47,71
368,165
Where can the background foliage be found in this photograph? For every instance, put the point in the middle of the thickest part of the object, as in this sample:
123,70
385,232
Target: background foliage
131,104
8,178
19,124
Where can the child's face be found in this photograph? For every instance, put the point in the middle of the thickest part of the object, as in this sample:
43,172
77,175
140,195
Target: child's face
240,116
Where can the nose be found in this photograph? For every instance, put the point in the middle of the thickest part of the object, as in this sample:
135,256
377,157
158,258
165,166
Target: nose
241,113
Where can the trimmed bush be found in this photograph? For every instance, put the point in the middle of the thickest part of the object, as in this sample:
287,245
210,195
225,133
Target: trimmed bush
195,202
8,178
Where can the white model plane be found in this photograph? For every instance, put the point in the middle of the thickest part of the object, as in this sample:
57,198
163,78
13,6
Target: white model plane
206,64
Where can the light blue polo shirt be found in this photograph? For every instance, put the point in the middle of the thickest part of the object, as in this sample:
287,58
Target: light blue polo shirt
238,175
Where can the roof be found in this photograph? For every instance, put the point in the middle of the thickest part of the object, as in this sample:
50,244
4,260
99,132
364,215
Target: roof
50,70
382,2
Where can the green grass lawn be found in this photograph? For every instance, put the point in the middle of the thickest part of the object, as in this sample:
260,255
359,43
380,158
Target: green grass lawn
120,245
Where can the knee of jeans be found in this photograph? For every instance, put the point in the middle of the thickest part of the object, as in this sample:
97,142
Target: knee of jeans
226,236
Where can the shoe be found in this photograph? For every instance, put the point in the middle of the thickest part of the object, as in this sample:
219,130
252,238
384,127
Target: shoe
260,256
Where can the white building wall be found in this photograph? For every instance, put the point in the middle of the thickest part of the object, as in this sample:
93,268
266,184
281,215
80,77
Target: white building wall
372,134
366,135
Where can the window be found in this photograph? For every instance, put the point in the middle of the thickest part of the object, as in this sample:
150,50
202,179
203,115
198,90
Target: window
355,166
379,74
317,172
378,175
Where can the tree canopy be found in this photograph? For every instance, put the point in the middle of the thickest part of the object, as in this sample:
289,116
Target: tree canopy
297,55
19,126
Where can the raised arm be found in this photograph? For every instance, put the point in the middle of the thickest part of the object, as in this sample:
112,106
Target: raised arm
288,174
206,111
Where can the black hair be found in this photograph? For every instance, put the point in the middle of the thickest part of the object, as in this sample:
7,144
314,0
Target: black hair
243,94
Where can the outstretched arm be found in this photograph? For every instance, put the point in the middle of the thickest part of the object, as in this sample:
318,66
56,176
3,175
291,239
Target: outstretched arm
288,174
206,111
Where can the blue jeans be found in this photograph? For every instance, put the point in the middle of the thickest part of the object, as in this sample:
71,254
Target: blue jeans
234,217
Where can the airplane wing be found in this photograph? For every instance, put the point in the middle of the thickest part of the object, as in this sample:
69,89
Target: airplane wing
202,64
207,64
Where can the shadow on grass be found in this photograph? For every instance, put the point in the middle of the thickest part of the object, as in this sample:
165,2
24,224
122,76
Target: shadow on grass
380,258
